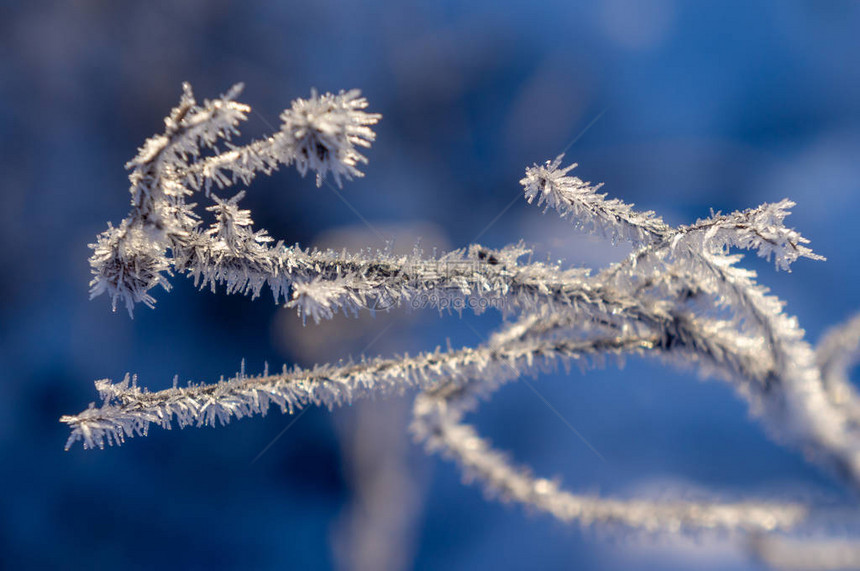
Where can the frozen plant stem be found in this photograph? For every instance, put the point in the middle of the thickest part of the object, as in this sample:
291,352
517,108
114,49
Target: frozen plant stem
679,296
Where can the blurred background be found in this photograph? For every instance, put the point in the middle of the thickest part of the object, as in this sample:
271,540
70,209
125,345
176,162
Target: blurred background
678,107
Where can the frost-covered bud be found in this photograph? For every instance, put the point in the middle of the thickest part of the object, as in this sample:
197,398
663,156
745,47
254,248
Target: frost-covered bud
323,131
126,264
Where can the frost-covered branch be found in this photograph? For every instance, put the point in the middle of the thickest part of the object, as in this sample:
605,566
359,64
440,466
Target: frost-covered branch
680,295
128,410
318,134
760,229
438,423
162,230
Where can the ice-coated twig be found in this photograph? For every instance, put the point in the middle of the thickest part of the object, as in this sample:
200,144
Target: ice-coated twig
580,203
760,229
128,410
437,421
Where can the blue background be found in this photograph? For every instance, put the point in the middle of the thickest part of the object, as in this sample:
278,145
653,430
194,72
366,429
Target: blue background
697,106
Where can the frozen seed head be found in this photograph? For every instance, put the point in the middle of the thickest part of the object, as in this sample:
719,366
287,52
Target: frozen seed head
126,265
324,132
